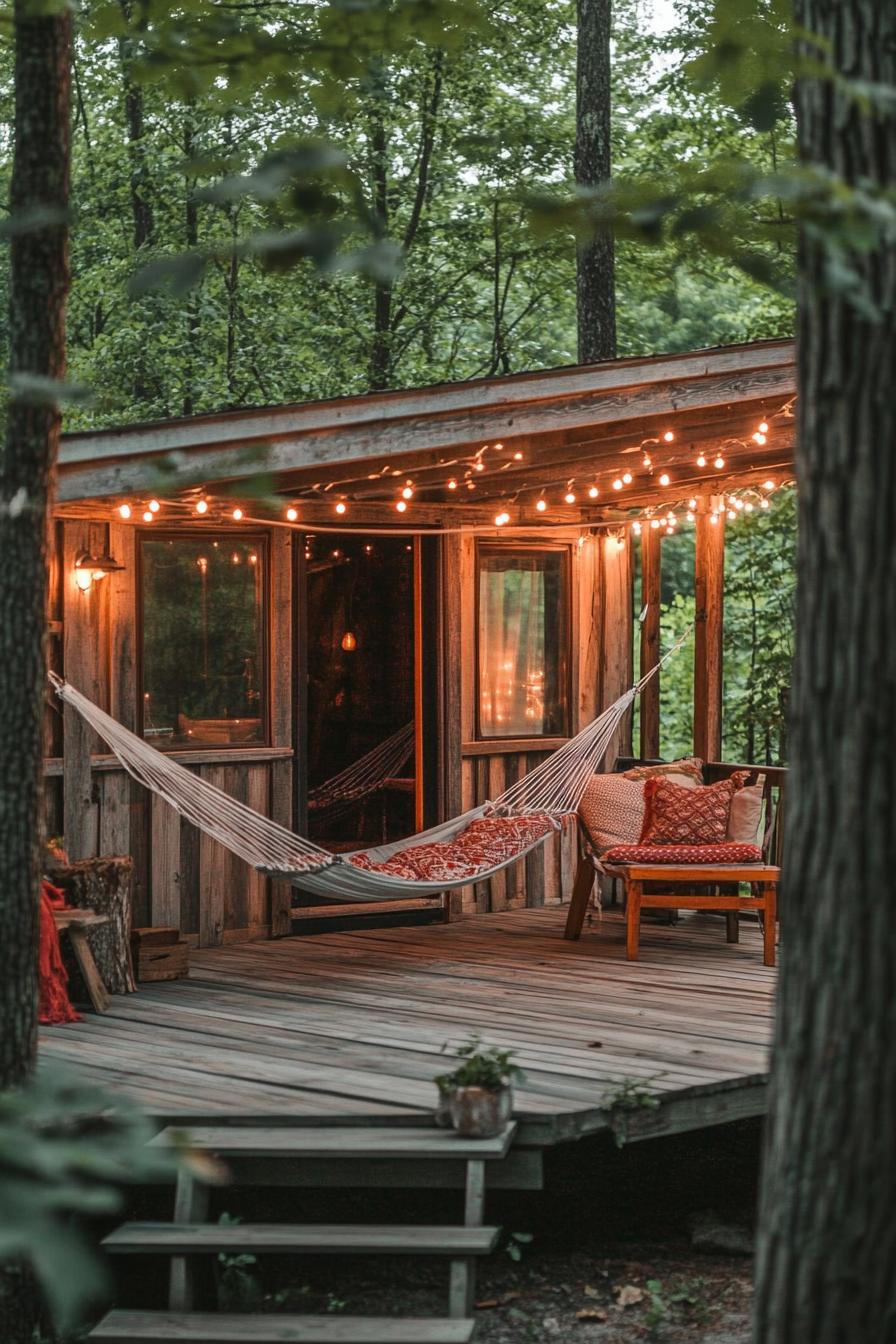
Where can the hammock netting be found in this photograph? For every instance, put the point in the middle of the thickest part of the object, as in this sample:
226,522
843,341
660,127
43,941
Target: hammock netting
364,776
470,848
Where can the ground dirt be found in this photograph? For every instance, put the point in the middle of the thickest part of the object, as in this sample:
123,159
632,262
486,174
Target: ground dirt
605,1251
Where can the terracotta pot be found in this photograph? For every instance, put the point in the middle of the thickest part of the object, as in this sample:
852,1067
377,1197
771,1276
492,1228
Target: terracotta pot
443,1107
481,1112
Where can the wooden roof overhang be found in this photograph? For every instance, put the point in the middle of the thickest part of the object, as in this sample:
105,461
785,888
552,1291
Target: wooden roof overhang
505,442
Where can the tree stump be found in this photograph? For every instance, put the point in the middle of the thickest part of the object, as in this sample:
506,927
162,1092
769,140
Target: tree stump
104,885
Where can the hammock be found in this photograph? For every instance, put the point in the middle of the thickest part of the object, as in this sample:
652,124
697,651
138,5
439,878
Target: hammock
470,848
365,775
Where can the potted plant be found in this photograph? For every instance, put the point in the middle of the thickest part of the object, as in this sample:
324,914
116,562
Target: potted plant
476,1099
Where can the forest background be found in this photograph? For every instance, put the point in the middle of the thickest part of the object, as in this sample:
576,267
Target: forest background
479,292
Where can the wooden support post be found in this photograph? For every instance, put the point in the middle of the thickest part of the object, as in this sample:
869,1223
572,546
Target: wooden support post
616,672
581,894
633,895
709,579
282,727
651,578
190,1206
463,1272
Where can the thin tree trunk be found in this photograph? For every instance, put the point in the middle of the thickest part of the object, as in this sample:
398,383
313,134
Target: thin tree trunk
191,239
595,274
380,367
827,1244
141,204
39,281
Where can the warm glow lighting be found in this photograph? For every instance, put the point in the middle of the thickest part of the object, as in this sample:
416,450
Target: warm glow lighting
237,515
719,463
292,515
541,505
401,506
202,506
124,510
689,515
768,485
626,478
569,497
654,523
617,484
763,504
692,503
517,457
665,478
714,519
759,438
84,579
349,642
701,461
148,517
738,503
670,531
748,507
636,528
154,505
763,428
479,466
408,492
452,484
501,519
647,460
340,507
593,492
668,437
731,515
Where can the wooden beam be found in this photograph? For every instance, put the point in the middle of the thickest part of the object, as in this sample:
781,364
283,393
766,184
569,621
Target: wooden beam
709,580
616,632
651,584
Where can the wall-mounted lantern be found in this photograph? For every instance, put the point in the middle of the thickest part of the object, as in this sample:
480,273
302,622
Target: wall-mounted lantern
89,569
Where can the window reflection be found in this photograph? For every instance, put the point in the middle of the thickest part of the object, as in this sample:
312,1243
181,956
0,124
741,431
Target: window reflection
203,640
523,603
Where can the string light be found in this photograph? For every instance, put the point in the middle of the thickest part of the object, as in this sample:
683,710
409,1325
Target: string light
148,517
665,478
626,478
654,523
124,510
501,519
517,457
593,492
719,463
647,460
759,438
401,506
701,460
692,503
452,484
714,519
292,515
768,485
690,516
478,466
763,427
541,505
748,507
569,497
636,528
617,484
763,503
408,491
237,514
340,507
202,506
668,437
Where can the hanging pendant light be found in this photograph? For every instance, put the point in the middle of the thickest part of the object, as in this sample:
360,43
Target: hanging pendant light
349,642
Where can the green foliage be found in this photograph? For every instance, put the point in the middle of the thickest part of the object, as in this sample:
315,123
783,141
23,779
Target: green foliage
65,1153
483,1066
515,1243
632,1094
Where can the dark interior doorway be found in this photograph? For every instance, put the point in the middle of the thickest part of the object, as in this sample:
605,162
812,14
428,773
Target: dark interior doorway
363,699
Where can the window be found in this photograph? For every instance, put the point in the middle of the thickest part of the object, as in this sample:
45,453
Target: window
523,637
203,652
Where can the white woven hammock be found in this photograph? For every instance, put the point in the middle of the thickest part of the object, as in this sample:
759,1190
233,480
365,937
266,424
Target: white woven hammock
364,776
554,788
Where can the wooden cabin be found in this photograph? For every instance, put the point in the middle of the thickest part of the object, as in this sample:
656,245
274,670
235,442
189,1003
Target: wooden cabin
270,594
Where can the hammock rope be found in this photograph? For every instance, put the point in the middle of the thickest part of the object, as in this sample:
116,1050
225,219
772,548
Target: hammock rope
365,775
553,789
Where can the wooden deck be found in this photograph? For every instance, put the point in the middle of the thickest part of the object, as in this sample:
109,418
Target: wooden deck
349,1027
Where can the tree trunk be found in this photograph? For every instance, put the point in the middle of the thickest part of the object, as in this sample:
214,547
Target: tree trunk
141,203
595,280
104,886
827,1243
380,367
191,240
39,279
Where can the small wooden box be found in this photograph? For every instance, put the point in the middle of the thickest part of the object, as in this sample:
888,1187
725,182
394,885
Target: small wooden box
159,954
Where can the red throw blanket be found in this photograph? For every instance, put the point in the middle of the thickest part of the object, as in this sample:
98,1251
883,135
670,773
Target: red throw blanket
55,1006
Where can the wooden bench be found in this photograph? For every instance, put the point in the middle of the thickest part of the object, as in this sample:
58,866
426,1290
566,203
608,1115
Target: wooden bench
77,923
679,880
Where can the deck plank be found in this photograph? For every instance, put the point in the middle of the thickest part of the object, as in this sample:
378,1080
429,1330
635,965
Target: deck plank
353,1025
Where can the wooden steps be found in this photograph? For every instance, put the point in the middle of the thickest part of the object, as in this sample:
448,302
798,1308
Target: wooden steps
304,1239
410,1143
162,1327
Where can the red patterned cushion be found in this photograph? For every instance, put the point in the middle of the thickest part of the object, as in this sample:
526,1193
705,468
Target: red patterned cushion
724,853
485,843
674,815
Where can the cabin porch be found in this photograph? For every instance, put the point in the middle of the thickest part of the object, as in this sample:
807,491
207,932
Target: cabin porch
348,1028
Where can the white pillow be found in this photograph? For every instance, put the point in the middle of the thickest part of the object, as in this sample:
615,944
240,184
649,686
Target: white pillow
745,817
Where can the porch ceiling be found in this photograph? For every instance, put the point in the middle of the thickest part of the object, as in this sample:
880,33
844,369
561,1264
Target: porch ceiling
510,438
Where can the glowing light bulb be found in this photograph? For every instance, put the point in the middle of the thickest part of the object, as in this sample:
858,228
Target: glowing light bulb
617,484
452,484
719,463
292,514
501,519
154,505
701,461
202,506
763,504
654,523
759,438
148,517
665,478
636,528
689,515
340,507
479,466
124,510
714,519
670,531
668,437
748,507
731,515
738,503
408,492
593,492
541,505
401,506
237,515
647,460
763,427
517,457
626,478
349,642
768,485
84,579
692,503
569,497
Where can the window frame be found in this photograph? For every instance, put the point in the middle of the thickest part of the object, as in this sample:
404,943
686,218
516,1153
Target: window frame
564,670
261,540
